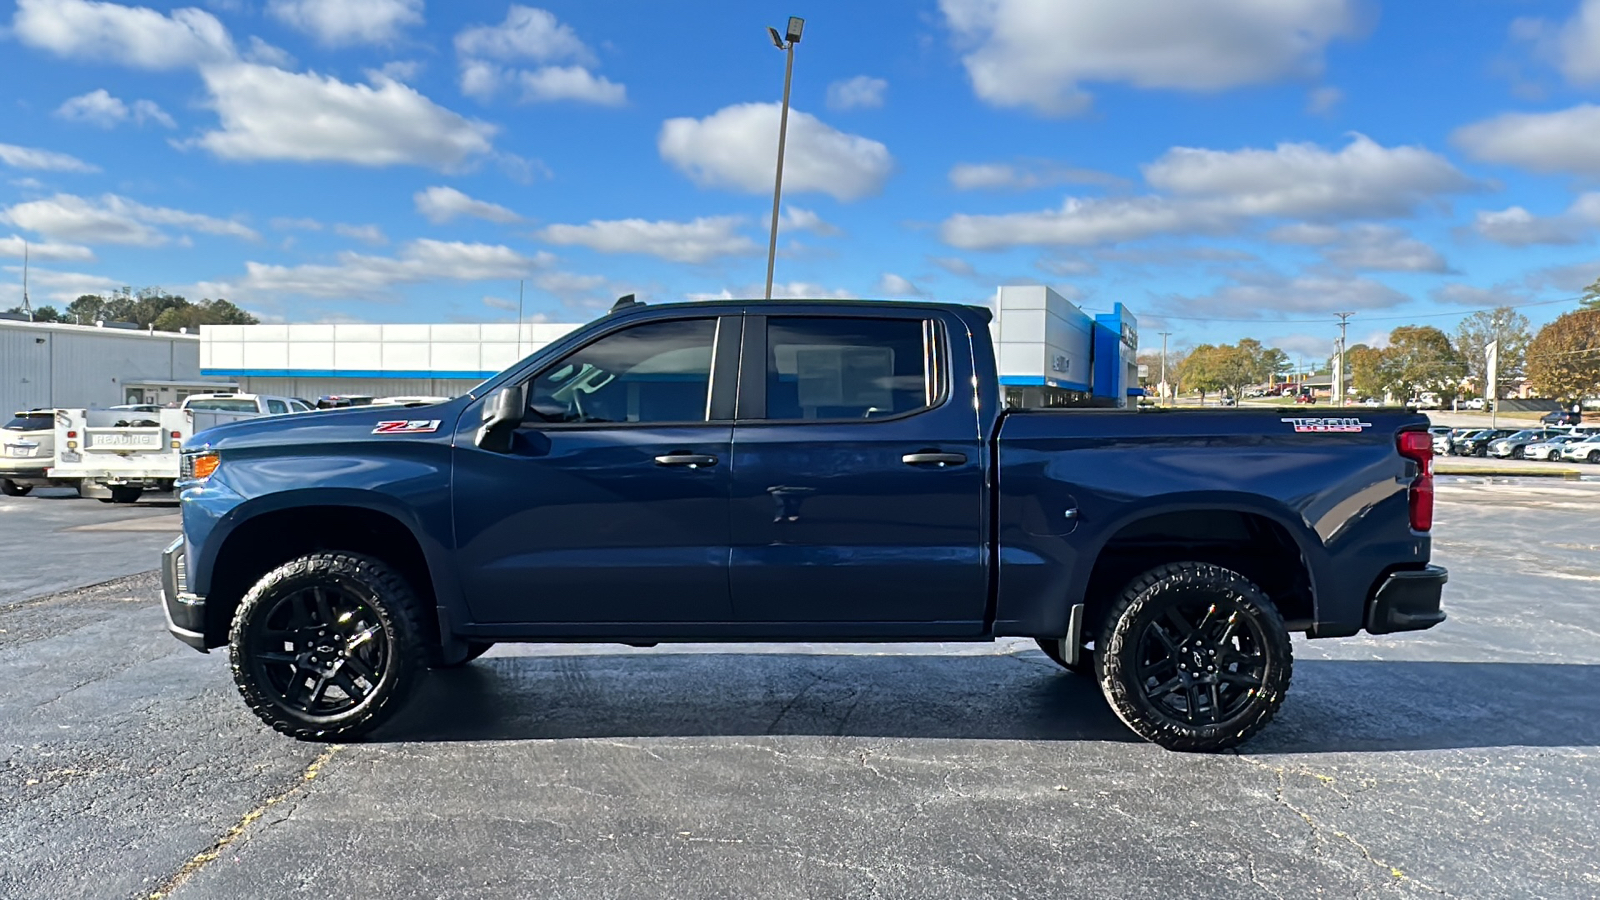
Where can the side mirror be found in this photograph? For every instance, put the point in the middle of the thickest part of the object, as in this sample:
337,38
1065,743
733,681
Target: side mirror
501,416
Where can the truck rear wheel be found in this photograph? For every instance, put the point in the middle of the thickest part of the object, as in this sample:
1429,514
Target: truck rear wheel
126,494
327,646
12,489
1194,657
1052,648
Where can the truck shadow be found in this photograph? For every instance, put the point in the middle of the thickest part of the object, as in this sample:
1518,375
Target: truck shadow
1334,706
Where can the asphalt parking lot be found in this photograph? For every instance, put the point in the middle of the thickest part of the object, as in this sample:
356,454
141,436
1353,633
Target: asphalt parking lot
1457,762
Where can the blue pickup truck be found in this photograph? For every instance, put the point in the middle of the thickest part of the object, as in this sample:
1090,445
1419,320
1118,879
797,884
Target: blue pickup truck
796,471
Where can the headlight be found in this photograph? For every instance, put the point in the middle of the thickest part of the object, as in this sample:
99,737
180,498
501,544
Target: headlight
199,466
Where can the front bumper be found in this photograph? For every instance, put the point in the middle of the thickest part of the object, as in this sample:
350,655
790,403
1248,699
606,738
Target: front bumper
1407,601
185,612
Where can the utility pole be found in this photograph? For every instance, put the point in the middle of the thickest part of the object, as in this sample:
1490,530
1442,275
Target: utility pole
1338,375
784,42
27,307
1163,366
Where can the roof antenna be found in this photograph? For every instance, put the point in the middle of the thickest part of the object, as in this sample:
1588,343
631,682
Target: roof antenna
626,301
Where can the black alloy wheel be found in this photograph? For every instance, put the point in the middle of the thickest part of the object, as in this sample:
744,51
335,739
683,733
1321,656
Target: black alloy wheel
1594,456
327,646
12,489
1517,452
1196,657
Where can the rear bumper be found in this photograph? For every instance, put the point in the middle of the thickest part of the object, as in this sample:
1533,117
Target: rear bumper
30,472
1407,601
185,612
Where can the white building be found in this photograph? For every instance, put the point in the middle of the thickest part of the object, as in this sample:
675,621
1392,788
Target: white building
51,365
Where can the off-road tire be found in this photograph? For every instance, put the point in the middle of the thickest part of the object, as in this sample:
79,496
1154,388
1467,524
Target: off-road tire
381,590
1149,597
12,489
1052,649
475,649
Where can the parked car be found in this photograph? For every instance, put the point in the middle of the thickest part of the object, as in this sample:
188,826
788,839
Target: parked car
1457,439
1561,417
803,471
1305,398
1586,450
1474,403
1477,443
27,445
340,401
1550,448
1512,446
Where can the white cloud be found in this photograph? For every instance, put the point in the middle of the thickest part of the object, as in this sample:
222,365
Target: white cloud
892,285
1458,294
16,248
1081,222
526,33
1022,176
1038,53
736,147
1364,247
285,223
955,265
64,287
1322,100
114,220
361,275
45,160
1567,140
440,204
860,92
134,36
698,241
1257,294
1579,44
551,83
260,51
268,113
401,69
1516,227
339,23
796,219
366,234
1364,179
99,108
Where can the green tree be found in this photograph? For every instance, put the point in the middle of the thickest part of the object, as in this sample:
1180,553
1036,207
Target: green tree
40,313
1420,359
1200,371
1591,296
191,316
1480,329
1564,358
1367,373
154,308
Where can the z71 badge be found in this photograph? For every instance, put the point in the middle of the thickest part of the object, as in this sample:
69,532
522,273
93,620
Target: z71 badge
412,426
1321,426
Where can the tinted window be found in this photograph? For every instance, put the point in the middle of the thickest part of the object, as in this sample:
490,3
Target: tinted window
844,368
277,407
656,372
41,422
297,406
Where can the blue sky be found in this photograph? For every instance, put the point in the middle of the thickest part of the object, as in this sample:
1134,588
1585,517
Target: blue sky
1224,167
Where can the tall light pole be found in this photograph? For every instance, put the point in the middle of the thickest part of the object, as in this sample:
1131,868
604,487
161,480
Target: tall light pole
784,42
1338,375
1163,366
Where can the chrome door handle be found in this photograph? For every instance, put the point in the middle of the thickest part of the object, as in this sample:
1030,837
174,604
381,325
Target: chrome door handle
934,459
692,460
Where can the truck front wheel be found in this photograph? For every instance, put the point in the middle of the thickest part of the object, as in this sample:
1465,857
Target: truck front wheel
1194,657
327,646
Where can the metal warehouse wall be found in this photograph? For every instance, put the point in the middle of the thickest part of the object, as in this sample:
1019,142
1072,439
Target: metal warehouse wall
82,365
312,387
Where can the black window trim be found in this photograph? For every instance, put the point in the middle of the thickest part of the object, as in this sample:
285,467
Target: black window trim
725,341
752,404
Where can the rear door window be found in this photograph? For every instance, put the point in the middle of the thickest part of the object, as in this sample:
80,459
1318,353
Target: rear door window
847,367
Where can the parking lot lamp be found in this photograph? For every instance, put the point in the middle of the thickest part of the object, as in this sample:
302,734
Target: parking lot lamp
784,42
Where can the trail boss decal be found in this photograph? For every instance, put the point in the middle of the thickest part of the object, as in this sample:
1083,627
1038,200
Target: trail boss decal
1321,426
412,426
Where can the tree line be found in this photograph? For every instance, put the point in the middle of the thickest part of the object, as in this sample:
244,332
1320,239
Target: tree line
1561,360
148,308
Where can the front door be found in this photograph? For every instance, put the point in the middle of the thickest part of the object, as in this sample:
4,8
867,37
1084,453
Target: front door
858,476
612,504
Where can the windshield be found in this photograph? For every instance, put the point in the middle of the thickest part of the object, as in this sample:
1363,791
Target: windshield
222,405
31,422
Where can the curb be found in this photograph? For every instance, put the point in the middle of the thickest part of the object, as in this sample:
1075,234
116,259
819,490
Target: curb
1441,467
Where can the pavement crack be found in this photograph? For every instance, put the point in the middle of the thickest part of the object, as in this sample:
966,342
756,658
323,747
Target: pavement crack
290,794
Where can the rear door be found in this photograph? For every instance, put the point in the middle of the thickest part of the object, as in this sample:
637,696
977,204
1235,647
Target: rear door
858,474
612,505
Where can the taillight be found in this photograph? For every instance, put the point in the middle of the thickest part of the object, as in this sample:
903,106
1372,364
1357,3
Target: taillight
1418,447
